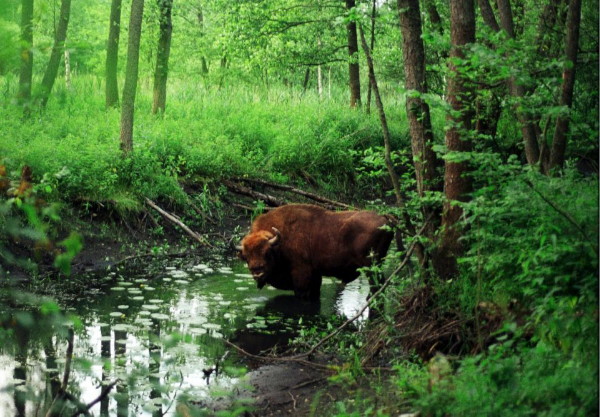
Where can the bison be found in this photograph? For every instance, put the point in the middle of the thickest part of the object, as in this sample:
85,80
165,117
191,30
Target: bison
294,246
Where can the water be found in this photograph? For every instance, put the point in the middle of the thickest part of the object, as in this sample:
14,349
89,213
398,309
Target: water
160,335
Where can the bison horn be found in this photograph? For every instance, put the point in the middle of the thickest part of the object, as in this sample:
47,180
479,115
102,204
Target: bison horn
275,239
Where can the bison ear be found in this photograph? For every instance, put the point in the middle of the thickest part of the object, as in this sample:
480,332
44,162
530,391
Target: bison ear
275,239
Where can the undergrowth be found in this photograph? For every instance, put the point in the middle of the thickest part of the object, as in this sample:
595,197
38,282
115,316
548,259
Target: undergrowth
200,139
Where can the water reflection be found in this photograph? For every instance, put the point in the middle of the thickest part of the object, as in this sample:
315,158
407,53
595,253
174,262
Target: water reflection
158,336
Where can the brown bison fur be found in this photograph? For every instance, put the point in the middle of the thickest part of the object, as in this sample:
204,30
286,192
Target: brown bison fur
294,246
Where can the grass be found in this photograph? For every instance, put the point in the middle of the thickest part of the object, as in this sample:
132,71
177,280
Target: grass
205,135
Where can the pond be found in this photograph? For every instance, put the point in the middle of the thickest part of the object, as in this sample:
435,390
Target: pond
160,334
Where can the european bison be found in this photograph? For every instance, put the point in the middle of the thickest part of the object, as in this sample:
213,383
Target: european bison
293,246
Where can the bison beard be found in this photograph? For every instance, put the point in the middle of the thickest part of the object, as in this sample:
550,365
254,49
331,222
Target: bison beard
294,246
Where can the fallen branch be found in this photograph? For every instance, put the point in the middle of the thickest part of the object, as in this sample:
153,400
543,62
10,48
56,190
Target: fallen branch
312,196
277,359
240,189
173,219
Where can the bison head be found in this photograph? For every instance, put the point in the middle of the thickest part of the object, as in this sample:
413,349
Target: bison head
258,249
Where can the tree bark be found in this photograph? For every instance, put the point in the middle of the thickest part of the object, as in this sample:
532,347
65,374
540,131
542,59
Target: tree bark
419,249
413,52
67,68
112,55
131,75
353,67
559,142
26,72
161,72
488,15
371,46
57,51
456,182
529,128
425,159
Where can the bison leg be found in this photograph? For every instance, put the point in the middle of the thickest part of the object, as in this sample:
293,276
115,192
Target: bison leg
307,285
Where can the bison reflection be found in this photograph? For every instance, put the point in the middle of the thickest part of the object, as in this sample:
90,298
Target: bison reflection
294,246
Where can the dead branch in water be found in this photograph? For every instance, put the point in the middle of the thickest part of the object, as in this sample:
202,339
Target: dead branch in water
315,197
173,219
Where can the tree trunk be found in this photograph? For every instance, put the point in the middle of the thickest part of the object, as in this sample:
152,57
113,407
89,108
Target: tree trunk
161,72
306,80
419,249
26,73
131,75
353,67
529,129
371,46
559,142
67,68
57,51
434,17
413,52
112,55
488,15
456,183
424,158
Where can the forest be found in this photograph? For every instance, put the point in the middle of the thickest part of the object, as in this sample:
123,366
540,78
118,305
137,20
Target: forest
140,139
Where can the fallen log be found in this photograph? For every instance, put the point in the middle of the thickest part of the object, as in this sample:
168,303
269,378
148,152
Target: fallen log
173,219
240,189
312,196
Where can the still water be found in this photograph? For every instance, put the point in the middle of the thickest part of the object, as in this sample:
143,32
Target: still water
160,335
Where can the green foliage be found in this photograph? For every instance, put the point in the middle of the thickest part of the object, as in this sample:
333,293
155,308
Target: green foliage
539,381
227,133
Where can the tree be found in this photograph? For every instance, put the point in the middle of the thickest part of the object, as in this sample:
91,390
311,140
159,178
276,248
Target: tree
559,142
57,52
353,67
456,182
424,158
131,75
26,73
112,54
161,71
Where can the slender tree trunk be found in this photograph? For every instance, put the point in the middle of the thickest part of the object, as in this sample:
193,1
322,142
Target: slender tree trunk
131,75
319,74
371,46
419,249
559,142
353,67
319,81
306,80
67,68
434,16
456,183
26,73
161,71
112,54
200,16
488,15
57,51
529,128
425,160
